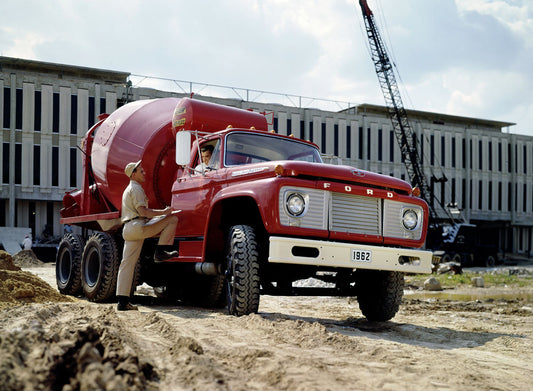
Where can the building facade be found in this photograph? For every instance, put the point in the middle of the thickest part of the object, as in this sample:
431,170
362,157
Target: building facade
45,110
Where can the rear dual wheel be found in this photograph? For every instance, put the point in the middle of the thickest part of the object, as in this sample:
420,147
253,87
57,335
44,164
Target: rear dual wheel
68,264
99,267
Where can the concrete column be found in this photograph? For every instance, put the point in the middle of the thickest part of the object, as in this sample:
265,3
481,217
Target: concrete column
354,141
97,96
373,158
64,164
511,157
64,137
437,150
330,137
458,151
12,114
64,110
47,92
110,102
448,150
468,174
46,163
40,218
83,120
295,120
343,139
28,122
364,140
317,132
282,123
83,112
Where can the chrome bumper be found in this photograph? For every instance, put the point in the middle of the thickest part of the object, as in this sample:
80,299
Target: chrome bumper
334,254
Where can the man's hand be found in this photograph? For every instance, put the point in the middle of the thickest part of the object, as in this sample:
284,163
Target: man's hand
169,211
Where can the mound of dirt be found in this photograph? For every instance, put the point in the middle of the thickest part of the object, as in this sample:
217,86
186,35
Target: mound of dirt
20,287
6,261
44,352
27,258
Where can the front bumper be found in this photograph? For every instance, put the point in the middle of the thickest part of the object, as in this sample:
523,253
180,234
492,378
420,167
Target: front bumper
334,254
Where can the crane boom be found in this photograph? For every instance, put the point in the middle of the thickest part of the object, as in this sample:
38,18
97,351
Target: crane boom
405,135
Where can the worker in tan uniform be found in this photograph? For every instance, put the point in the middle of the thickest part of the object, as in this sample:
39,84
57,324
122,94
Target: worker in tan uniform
139,225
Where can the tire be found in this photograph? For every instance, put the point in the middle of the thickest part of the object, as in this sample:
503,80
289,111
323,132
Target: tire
216,295
99,267
205,291
446,258
457,259
379,293
242,271
68,264
490,261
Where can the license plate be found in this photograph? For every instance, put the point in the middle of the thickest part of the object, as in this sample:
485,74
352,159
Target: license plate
361,256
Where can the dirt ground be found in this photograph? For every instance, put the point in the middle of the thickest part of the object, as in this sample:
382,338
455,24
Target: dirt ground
293,343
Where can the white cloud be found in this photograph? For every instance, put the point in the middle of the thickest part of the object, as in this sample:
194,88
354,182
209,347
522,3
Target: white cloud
489,94
21,44
517,16
464,57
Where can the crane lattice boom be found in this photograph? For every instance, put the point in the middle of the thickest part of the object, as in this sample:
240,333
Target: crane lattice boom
405,135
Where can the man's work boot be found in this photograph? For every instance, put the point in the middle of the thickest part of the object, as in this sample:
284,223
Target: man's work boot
162,253
125,305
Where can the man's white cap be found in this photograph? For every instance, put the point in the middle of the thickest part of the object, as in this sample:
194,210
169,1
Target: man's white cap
130,167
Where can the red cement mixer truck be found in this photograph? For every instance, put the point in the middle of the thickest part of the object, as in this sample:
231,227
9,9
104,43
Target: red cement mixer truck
263,213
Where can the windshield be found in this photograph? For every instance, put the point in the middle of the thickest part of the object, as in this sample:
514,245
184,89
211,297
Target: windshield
246,148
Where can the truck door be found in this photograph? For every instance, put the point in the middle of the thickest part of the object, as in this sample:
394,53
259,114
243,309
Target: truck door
193,192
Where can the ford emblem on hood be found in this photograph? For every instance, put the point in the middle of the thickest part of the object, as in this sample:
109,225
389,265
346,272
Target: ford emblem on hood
358,173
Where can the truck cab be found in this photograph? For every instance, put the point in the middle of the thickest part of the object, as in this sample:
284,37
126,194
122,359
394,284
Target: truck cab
268,211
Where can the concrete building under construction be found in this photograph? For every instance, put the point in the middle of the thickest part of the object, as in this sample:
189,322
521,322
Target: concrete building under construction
475,165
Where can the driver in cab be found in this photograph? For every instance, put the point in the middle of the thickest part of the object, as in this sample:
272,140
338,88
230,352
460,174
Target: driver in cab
205,152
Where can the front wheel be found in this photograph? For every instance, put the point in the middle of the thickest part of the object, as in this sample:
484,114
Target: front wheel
379,293
242,271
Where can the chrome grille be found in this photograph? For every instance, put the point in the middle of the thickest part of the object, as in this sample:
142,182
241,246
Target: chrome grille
355,214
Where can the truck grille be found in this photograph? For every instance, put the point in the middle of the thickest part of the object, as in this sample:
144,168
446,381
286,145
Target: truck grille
350,213
355,214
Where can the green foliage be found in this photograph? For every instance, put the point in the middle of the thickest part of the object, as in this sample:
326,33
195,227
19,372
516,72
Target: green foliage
457,280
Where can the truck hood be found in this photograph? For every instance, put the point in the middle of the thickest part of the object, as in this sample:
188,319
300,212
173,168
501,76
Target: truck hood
344,174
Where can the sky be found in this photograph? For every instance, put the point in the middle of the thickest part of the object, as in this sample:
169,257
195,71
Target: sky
471,58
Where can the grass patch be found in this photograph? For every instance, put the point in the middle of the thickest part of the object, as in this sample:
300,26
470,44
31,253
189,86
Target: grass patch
459,280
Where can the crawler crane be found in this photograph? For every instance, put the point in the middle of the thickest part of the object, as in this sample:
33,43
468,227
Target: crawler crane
457,240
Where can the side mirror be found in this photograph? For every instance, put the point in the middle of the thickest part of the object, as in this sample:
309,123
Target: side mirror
183,148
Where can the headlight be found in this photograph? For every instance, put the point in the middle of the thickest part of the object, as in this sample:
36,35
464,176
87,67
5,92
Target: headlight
410,219
295,204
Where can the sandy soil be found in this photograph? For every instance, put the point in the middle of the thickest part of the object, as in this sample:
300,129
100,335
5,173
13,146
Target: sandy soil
293,343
